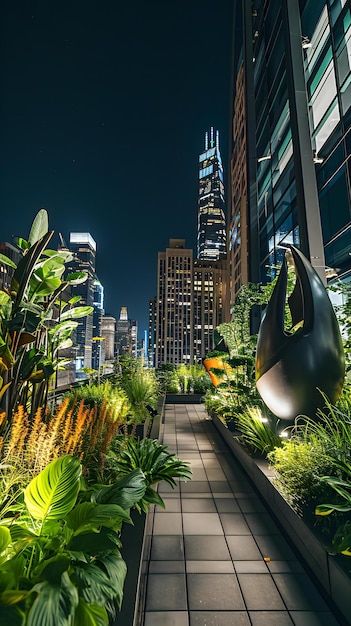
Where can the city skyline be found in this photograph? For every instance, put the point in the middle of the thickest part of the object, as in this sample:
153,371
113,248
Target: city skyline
102,121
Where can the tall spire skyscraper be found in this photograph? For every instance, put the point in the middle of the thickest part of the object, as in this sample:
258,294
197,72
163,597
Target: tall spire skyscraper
211,230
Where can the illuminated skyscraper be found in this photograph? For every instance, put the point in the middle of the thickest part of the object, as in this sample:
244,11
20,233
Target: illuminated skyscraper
211,231
174,318
83,248
126,334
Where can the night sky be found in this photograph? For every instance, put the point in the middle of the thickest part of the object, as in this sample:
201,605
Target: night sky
103,111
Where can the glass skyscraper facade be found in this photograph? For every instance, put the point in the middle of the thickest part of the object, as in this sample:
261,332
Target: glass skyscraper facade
211,232
83,248
174,315
293,59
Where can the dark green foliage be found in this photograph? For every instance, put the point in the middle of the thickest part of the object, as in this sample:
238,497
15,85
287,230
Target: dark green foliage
156,463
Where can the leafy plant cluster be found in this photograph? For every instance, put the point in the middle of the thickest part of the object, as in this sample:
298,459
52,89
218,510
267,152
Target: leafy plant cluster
35,320
183,378
60,529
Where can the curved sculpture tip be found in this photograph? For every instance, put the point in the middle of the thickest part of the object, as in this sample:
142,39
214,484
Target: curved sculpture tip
292,367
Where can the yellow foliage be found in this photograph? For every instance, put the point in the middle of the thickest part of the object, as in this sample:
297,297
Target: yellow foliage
84,432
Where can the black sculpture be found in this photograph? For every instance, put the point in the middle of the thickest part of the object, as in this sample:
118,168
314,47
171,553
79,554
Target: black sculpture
293,368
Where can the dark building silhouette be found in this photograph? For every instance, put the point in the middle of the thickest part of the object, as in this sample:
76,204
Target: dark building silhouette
291,137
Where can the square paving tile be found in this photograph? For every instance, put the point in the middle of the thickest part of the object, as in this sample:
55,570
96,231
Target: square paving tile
166,567
234,524
250,567
261,524
166,488
218,618
275,547
172,505
209,567
166,592
270,618
220,486
311,618
165,618
215,474
299,593
197,485
214,592
198,473
252,505
260,593
164,548
227,505
206,548
243,548
202,524
198,505
168,524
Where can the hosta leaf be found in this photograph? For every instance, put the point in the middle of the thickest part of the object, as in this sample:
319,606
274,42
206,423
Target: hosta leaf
126,492
89,515
53,493
55,604
90,615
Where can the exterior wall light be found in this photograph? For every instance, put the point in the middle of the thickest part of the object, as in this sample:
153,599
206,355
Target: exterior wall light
305,42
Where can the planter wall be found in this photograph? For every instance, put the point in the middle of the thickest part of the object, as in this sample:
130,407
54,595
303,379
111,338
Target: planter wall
184,398
135,548
323,566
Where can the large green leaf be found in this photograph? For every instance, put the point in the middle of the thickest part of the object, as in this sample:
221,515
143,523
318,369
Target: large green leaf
5,538
53,493
93,543
40,226
75,312
90,615
89,515
116,570
126,492
46,287
54,605
12,615
93,583
63,329
25,267
76,278
5,259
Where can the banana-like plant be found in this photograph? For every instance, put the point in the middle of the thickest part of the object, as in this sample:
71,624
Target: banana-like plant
35,322
60,561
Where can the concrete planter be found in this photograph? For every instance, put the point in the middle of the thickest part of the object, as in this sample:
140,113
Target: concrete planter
322,565
135,546
184,398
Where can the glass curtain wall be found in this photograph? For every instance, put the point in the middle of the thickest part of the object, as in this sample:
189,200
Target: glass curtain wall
326,26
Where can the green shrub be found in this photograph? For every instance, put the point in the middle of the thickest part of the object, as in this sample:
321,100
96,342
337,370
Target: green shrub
257,431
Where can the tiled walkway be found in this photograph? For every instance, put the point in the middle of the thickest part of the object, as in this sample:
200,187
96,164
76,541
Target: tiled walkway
207,560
